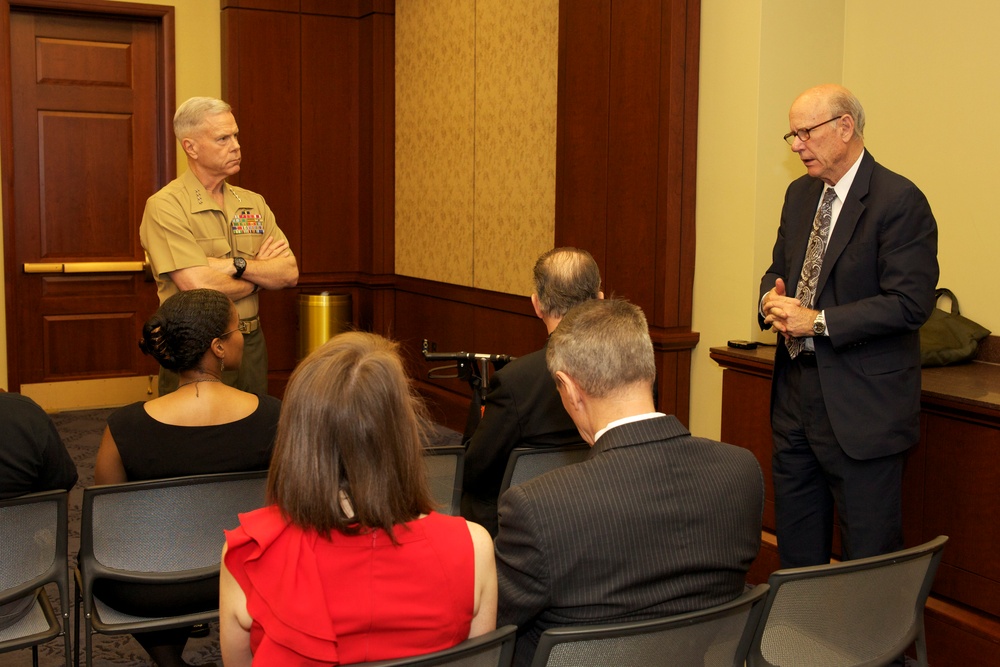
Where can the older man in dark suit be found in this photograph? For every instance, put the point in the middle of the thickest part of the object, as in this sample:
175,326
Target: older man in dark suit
654,523
522,407
857,247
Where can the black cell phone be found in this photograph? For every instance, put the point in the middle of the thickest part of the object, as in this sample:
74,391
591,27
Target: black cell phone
743,344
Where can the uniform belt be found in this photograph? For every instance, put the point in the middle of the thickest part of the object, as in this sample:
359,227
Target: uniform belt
249,326
806,358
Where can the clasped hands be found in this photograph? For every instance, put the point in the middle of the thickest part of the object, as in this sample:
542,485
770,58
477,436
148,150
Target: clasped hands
786,313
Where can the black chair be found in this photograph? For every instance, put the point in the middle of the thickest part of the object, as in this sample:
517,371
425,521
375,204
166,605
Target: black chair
859,612
162,531
715,637
528,462
32,554
444,473
494,649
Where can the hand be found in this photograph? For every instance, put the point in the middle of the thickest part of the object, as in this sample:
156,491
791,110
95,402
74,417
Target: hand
786,314
770,303
271,249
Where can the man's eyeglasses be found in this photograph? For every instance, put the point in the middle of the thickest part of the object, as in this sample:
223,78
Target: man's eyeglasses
803,134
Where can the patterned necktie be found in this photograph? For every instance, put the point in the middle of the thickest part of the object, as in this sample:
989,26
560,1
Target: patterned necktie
816,248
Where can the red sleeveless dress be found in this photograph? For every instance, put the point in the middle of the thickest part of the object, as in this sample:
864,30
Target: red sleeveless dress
352,598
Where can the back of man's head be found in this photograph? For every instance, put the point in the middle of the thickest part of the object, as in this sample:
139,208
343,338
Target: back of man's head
604,345
192,112
565,277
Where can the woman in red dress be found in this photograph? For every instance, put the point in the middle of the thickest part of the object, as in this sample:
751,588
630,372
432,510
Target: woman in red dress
349,562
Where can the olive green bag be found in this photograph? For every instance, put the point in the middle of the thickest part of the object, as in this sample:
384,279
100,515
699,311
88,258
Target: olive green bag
948,338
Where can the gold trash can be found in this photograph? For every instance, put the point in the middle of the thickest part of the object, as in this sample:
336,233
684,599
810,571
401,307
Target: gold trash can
321,317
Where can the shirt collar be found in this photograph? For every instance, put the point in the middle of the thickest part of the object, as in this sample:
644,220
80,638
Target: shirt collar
843,186
627,420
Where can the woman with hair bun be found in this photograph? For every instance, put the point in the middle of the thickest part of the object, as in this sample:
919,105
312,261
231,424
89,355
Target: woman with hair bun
349,562
203,427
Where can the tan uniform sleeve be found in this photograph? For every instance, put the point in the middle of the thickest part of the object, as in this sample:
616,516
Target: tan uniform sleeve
170,240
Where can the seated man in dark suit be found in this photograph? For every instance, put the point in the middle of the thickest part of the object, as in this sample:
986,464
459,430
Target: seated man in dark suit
523,408
654,523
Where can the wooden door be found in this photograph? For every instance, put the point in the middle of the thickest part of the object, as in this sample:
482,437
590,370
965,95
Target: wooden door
87,152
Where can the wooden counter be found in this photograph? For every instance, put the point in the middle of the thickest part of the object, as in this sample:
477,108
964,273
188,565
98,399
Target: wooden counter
951,486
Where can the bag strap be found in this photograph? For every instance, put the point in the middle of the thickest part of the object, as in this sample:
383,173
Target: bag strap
944,291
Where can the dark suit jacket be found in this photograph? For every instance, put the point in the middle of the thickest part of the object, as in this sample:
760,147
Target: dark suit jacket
523,409
655,522
877,287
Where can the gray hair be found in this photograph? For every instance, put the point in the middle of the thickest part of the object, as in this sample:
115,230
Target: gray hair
192,113
565,277
604,345
845,103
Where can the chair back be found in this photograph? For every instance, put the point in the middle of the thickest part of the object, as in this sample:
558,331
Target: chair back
528,462
160,531
444,474
494,649
143,531
32,554
859,612
715,637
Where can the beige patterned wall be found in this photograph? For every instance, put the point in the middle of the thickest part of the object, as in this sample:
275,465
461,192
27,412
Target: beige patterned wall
435,144
475,139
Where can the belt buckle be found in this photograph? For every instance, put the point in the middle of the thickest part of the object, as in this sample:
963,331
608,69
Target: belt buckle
247,326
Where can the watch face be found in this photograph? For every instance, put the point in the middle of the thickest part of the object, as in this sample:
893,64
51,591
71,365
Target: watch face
819,328
240,263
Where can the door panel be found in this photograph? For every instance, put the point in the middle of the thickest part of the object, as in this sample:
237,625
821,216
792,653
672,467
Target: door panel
86,157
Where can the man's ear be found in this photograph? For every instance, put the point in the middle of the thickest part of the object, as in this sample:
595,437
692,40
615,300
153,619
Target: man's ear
537,306
189,148
600,294
847,127
570,390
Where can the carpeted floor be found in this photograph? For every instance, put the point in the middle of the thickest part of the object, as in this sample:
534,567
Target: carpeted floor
81,432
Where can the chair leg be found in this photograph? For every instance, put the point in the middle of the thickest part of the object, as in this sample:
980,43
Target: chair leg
89,631
921,643
66,645
34,655
76,624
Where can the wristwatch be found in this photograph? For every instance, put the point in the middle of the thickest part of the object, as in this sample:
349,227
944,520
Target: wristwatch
241,266
819,324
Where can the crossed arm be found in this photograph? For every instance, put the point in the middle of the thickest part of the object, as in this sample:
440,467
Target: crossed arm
274,267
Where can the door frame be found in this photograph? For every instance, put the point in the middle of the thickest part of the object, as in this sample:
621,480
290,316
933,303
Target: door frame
162,17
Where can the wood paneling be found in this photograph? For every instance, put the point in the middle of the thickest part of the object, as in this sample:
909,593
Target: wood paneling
625,170
674,270
330,145
633,146
626,147
962,455
583,125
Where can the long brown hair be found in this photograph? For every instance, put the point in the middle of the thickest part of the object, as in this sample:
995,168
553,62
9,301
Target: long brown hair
350,423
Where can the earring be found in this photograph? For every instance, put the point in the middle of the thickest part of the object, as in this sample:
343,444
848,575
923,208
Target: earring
222,366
